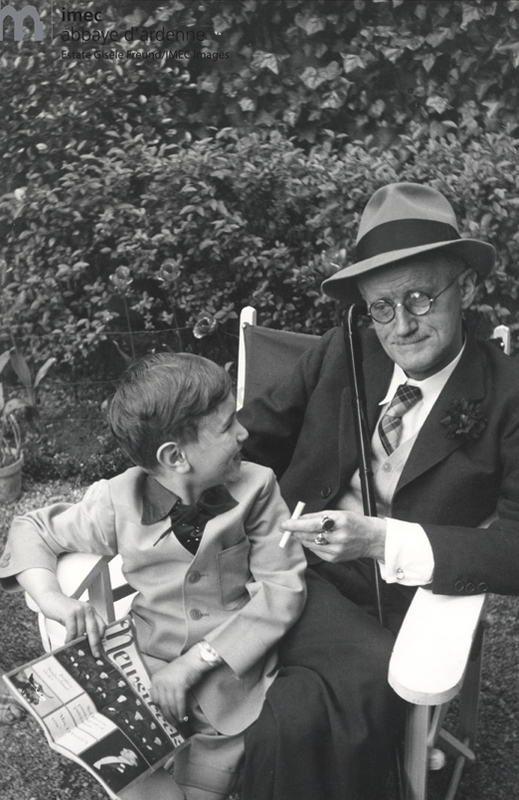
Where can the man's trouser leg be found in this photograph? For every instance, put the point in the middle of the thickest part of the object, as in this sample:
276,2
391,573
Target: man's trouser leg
327,728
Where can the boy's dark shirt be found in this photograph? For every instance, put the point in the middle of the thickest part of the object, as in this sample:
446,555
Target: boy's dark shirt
187,521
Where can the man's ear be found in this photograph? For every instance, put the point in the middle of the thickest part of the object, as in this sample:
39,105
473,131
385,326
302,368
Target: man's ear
467,284
170,455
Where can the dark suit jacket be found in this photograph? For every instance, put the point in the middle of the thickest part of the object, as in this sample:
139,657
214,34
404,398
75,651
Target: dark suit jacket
304,430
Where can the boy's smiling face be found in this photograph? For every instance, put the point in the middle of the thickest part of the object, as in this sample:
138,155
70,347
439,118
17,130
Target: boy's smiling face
215,457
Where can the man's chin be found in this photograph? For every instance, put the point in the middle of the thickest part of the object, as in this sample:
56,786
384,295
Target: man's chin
415,366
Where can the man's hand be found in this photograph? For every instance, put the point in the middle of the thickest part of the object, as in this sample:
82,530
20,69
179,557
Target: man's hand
170,684
353,536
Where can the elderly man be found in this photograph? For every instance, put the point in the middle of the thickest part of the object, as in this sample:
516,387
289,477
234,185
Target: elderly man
443,412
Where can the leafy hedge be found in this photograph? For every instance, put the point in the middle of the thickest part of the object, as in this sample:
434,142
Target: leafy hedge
172,233
360,66
301,66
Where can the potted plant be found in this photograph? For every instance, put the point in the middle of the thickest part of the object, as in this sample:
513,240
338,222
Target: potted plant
11,411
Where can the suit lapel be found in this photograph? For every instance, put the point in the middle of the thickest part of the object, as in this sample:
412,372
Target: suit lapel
378,371
432,444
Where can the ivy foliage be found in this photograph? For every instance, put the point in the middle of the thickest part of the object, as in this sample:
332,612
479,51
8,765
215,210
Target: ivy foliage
363,67
358,67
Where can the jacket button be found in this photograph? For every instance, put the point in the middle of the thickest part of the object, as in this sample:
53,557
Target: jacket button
482,587
326,492
195,613
469,588
193,577
459,586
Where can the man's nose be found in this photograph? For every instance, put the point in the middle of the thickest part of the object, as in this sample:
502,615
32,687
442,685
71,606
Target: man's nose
405,322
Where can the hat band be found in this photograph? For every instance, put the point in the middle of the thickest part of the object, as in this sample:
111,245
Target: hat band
402,234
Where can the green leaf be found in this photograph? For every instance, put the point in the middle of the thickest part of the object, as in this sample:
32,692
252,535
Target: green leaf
352,62
333,100
247,104
312,77
437,103
263,60
43,371
220,23
209,83
15,404
429,62
310,23
470,14
392,53
20,366
135,18
4,359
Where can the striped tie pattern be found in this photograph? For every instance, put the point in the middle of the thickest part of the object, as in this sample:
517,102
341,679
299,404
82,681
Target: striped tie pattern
390,426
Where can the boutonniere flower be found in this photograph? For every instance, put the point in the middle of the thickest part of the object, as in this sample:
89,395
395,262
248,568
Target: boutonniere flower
464,418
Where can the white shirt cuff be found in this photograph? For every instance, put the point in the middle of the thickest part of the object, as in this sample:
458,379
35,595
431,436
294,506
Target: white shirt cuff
408,557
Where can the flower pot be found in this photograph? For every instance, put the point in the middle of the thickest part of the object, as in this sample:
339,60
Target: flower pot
11,481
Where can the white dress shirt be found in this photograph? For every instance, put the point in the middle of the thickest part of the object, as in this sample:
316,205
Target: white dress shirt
408,557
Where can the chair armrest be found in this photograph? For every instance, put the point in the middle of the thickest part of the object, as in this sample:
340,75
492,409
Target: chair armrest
76,572
432,649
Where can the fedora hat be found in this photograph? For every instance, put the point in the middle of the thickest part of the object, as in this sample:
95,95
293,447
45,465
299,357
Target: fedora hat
403,220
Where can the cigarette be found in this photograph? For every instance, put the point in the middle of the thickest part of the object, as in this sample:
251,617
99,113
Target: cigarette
297,513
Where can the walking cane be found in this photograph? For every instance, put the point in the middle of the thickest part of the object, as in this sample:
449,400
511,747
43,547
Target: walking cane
362,436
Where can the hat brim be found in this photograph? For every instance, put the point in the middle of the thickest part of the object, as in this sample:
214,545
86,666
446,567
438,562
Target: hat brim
479,255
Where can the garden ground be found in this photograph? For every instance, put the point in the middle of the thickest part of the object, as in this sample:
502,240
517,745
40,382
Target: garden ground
29,770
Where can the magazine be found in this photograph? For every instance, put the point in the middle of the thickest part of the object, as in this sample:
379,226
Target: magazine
98,711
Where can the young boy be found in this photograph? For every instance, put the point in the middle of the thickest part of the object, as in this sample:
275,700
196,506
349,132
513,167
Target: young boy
198,534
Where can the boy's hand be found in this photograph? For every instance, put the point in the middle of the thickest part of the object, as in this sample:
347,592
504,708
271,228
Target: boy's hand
170,684
79,618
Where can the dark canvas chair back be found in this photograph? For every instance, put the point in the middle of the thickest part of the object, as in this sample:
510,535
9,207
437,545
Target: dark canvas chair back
270,355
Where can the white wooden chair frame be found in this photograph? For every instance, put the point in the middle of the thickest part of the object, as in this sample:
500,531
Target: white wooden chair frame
436,657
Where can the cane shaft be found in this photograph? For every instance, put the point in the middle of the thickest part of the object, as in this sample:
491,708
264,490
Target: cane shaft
362,435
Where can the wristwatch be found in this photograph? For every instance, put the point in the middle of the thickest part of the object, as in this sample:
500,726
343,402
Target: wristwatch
208,654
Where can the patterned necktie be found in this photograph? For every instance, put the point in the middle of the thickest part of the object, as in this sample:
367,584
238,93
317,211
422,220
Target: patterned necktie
390,426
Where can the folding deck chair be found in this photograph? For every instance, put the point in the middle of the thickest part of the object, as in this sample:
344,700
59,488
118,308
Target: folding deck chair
437,655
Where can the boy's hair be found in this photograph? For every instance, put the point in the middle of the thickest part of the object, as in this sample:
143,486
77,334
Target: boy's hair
161,398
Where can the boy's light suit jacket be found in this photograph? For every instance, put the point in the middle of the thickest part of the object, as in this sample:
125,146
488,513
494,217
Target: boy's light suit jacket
240,592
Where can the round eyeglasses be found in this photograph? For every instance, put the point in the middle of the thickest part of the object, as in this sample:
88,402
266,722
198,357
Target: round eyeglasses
416,303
